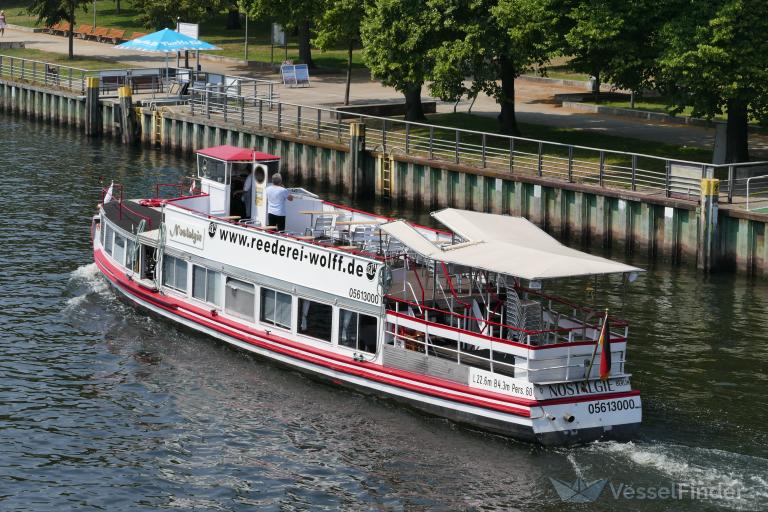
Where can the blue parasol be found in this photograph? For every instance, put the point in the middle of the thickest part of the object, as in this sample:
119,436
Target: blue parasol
166,41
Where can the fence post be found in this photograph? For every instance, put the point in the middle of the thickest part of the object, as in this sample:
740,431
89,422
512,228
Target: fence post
226,103
298,121
69,77
319,120
192,101
338,128
208,102
261,111
539,162
601,175
34,71
511,155
731,179
484,150
242,109
570,164
456,150
668,170
431,141
22,69
384,135
407,138
634,173
279,117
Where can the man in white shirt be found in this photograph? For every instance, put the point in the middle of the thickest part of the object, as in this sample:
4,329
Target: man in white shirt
276,197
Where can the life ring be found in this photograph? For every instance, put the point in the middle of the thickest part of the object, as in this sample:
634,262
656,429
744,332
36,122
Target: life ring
151,203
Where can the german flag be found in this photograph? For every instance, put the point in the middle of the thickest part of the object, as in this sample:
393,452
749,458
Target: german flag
605,349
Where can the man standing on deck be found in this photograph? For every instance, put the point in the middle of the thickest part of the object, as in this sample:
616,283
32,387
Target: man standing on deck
276,197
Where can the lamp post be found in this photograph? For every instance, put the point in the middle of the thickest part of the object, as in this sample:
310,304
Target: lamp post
94,14
246,38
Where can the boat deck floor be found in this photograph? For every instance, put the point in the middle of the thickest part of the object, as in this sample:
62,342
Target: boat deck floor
129,214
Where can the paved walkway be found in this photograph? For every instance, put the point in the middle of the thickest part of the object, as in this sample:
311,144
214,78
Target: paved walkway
534,101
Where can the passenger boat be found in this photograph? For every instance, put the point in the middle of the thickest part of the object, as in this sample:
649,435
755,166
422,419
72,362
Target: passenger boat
453,321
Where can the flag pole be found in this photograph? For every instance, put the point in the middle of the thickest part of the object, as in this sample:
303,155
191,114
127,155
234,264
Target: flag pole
597,343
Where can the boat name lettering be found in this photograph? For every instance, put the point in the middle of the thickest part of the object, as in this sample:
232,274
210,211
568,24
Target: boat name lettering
187,235
331,261
565,389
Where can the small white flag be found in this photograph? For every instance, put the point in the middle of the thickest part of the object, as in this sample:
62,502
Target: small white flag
108,195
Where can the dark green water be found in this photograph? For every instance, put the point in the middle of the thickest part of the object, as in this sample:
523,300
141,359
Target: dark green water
103,407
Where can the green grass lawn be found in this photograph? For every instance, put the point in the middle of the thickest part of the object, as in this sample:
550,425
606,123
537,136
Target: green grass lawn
561,72
62,59
574,137
213,30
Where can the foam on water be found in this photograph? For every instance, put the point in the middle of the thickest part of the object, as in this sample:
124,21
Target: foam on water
86,281
702,467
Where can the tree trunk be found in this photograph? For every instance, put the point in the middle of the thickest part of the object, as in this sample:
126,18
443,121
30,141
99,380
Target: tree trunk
507,118
596,86
71,35
413,109
736,132
349,71
117,6
233,19
305,50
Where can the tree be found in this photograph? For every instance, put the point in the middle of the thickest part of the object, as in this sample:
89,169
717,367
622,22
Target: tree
340,25
397,36
716,60
51,12
497,41
292,14
158,14
613,39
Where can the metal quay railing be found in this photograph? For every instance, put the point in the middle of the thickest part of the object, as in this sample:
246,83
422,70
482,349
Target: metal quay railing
43,73
514,155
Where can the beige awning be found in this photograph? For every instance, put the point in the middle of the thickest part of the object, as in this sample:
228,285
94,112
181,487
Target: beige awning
508,245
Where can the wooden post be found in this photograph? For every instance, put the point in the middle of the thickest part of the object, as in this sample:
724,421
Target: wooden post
708,254
92,107
354,183
127,116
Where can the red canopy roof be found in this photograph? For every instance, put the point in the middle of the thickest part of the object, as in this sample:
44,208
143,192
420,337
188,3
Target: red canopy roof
235,154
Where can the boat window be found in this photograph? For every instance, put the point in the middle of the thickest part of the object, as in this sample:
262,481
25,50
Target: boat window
275,308
315,319
131,255
240,299
108,240
204,285
357,331
119,249
213,170
175,273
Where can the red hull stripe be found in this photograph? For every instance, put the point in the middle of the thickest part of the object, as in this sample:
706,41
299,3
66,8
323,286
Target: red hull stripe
175,309
244,333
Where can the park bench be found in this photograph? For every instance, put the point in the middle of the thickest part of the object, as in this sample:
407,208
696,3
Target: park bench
62,28
83,31
137,35
100,33
116,36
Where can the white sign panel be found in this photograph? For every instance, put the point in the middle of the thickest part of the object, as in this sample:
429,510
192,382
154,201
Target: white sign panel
521,388
289,260
185,233
188,29
278,35
500,383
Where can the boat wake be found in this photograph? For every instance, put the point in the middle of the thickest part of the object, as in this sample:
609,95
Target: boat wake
744,476
84,282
